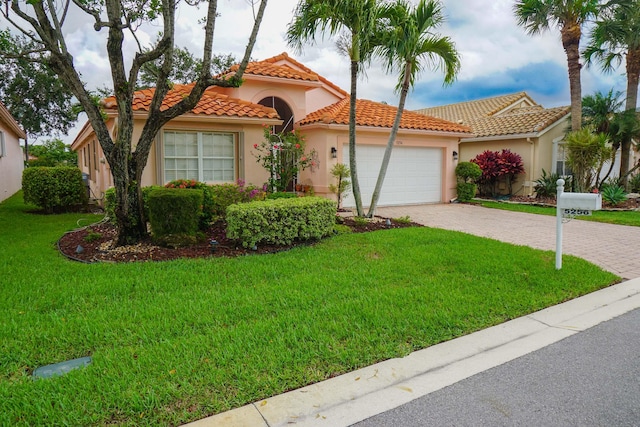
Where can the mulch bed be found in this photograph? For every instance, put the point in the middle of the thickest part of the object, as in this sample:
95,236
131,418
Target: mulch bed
93,244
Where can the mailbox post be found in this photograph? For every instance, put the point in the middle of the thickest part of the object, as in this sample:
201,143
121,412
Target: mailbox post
571,205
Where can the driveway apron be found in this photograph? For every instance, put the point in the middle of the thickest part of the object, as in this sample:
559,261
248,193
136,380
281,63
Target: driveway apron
612,247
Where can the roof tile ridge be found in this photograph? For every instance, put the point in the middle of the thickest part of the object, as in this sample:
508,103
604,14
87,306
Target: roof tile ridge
333,110
516,97
474,101
310,71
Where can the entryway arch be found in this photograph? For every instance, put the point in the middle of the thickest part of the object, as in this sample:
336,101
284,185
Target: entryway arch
283,110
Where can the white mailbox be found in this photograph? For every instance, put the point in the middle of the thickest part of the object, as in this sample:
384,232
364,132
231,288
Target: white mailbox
580,201
572,205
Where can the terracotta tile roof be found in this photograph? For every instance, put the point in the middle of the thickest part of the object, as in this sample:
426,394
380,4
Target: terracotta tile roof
501,115
212,103
375,114
269,67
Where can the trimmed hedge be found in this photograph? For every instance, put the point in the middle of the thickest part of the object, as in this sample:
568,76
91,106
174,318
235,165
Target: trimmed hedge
466,191
54,189
110,201
174,215
225,195
467,174
281,195
216,198
281,221
468,171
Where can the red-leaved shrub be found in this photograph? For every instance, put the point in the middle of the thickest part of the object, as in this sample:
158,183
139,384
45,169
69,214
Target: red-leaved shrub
498,166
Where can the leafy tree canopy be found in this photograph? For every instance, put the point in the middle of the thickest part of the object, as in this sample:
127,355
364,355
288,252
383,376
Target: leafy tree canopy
53,152
33,93
45,24
186,68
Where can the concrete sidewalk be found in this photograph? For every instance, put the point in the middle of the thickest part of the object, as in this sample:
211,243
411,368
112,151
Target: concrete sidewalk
606,245
361,394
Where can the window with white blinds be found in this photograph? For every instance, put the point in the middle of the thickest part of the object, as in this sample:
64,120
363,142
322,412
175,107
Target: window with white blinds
203,156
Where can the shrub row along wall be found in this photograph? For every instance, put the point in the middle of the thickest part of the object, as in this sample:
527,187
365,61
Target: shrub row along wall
216,198
281,221
54,189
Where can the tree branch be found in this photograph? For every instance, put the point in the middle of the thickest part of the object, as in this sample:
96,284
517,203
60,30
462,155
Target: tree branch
164,47
99,24
56,25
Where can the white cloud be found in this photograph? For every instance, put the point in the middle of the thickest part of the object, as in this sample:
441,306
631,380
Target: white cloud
485,32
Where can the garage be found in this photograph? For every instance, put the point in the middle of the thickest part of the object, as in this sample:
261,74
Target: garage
414,175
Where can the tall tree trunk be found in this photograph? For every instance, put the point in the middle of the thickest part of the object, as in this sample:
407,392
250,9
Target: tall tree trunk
132,225
571,43
355,186
633,74
392,138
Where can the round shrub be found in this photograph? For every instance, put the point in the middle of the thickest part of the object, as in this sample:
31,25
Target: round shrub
468,171
466,191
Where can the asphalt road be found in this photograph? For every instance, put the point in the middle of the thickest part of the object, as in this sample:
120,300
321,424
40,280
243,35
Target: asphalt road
589,379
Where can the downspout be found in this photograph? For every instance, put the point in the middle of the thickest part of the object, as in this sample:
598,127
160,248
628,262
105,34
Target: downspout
554,154
26,151
533,165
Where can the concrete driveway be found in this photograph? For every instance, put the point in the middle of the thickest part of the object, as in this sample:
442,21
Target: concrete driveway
615,248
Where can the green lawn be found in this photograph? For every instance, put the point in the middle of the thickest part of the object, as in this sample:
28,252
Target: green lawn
176,341
612,217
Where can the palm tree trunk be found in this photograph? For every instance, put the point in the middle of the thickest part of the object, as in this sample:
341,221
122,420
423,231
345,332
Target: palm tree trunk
571,42
392,138
355,186
633,74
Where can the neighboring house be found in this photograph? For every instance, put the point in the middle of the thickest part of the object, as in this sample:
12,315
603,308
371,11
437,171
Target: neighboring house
515,122
213,143
11,155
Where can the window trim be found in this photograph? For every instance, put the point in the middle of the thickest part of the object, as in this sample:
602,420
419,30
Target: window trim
558,145
237,139
3,145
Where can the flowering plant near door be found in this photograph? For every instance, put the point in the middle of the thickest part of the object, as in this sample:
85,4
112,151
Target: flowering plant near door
283,156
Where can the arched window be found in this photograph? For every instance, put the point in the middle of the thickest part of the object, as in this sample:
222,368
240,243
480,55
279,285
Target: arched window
283,110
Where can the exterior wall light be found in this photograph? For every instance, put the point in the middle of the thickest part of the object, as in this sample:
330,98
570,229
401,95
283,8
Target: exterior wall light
334,153
455,155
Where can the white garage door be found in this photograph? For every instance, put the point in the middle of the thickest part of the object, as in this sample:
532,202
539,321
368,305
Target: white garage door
414,175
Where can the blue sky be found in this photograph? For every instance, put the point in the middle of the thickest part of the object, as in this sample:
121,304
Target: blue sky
498,57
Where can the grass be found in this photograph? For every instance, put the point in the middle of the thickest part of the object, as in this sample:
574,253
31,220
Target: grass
631,218
176,341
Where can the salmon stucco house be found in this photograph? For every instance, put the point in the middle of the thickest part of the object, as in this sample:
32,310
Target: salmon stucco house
213,143
11,155
515,122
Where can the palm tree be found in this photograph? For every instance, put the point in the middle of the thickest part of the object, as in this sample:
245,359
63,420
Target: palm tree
360,19
615,36
407,41
599,109
601,113
569,15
